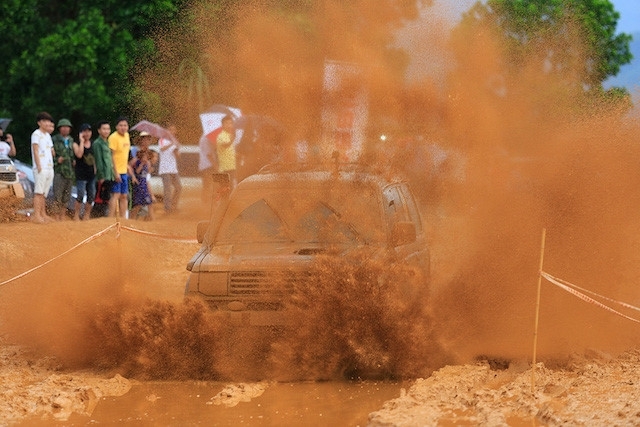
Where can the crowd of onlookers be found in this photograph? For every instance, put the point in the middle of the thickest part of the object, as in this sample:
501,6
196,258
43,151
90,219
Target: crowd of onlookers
110,175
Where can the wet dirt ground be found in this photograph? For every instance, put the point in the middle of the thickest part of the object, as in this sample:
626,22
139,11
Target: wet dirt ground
54,373
183,403
46,384
100,335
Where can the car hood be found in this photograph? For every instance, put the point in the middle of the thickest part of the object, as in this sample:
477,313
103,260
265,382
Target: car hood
274,256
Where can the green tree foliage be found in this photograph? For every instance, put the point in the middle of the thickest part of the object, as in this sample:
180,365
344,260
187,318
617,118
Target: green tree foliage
567,37
529,68
75,59
169,59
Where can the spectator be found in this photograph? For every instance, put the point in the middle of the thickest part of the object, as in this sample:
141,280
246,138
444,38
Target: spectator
105,172
42,158
207,166
141,167
63,168
7,147
120,145
144,143
168,170
226,150
85,172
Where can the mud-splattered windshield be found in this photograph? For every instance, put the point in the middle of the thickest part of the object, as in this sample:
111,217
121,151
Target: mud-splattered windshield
315,215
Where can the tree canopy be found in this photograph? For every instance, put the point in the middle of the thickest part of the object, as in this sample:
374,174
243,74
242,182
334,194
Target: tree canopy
169,59
156,59
566,37
75,60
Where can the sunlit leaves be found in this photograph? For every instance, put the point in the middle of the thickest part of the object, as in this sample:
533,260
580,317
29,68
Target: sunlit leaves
75,59
557,26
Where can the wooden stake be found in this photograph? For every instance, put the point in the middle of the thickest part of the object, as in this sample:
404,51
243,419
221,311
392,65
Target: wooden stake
535,330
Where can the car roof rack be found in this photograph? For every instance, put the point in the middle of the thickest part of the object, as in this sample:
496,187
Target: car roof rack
335,166
313,167
350,167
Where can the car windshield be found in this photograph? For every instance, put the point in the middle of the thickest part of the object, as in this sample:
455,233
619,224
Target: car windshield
337,214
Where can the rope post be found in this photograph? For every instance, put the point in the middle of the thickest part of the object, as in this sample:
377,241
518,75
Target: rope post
535,330
119,247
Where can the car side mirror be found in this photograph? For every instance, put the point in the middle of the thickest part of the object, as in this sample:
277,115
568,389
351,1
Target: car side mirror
403,233
201,230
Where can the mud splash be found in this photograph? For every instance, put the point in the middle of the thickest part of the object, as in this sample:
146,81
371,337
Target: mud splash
347,326
521,148
536,154
351,326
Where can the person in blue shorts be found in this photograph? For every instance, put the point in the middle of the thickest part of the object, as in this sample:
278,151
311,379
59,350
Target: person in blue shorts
120,145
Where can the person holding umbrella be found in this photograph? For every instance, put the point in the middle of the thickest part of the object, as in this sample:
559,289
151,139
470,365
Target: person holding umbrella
226,150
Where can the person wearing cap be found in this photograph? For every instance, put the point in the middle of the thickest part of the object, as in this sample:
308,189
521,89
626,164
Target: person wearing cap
85,172
140,165
144,141
64,175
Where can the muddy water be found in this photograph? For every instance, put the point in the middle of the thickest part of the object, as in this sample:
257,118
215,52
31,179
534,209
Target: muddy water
200,403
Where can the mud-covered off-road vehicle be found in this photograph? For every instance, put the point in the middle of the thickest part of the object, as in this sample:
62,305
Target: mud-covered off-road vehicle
264,238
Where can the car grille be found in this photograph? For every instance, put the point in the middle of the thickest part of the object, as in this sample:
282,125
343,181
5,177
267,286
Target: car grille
222,304
265,282
8,177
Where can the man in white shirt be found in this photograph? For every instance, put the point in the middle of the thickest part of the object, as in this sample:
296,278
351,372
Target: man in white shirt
42,158
168,170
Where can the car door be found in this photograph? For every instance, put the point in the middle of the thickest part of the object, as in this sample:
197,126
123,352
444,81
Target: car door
400,206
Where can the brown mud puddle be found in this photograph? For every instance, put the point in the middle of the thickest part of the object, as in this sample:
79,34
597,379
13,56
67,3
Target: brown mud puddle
230,404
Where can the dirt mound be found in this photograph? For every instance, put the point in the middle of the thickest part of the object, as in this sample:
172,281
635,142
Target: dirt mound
35,387
592,389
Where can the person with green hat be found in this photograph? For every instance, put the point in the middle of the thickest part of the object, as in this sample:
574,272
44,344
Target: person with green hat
64,176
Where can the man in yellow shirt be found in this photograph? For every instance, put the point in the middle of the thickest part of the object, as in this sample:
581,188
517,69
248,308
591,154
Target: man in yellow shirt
120,145
226,149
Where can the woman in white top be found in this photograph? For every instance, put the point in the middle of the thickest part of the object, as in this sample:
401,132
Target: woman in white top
168,170
7,147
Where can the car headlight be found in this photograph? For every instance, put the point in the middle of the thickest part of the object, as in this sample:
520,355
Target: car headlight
213,283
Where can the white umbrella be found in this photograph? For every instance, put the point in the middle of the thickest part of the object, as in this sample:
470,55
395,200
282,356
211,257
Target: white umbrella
212,118
4,123
153,129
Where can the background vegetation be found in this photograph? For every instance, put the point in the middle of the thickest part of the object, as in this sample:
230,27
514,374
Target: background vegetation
170,59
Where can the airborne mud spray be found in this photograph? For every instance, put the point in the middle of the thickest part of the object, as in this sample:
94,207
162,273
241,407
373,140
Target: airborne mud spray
510,163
